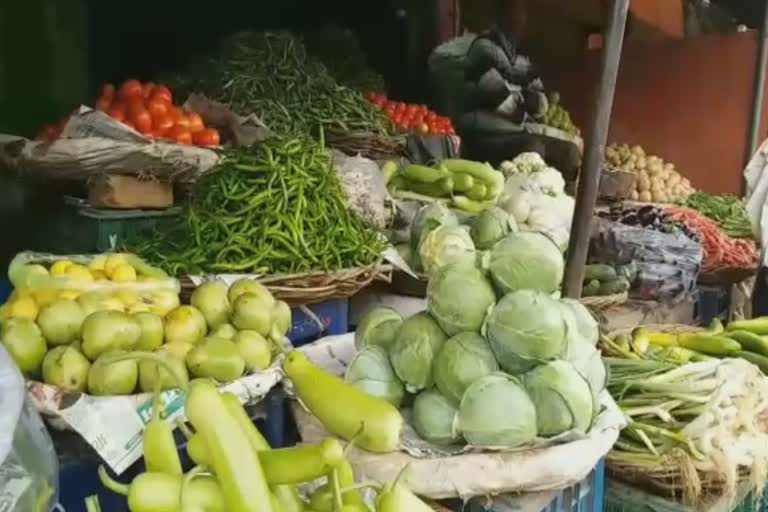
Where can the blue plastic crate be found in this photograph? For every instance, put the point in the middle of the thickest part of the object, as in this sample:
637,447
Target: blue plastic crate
334,316
587,495
78,477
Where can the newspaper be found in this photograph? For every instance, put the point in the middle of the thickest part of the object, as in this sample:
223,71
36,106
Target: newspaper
114,426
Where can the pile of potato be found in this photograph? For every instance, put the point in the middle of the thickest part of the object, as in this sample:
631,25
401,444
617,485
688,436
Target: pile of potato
657,181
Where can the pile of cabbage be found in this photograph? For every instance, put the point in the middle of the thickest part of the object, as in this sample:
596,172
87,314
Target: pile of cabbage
496,360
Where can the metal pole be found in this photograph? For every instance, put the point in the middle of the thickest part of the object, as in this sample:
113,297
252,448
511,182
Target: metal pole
589,179
757,102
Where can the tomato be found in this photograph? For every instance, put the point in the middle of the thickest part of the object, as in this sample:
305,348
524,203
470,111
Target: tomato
129,125
196,123
103,104
162,123
157,107
134,105
161,91
430,116
206,137
131,89
141,120
117,111
451,131
108,91
180,135
423,128
390,111
182,121
147,90
175,113
400,106
412,110
380,102
371,96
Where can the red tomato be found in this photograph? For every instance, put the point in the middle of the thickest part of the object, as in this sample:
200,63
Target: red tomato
430,116
380,102
196,123
103,104
141,120
390,111
206,137
400,106
157,107
134,105
412,109
371,96
131,89
451,131
182,121
175,113
180,135
129,125
162,124
423,128
161,91
117,111
108,91
147,90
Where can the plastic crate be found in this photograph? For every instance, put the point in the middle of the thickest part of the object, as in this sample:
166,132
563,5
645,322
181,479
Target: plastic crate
78,477
334,315
620,497
587,495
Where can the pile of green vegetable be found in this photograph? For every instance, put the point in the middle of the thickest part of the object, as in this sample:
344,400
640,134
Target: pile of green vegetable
730,212
601,279
271,208
495,360
271,75
465,185
558,117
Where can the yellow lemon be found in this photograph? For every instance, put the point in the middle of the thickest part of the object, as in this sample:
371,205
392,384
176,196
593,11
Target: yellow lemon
69,294
159,310
60,267
98,262
165,299
79,273
123,274
128,297
44,296
25,307
112,262
99,275
111,304
139,307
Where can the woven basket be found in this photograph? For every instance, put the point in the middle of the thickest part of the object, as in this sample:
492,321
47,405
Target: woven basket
368,144
600,303
312,288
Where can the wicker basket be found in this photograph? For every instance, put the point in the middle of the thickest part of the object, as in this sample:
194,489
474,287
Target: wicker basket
370,145
312,288
601,303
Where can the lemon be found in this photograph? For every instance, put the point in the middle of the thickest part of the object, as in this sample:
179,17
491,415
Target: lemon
79,273
111,304
139,307
69,294
99,275
44,296
5,311
98,263
159,310
24,307
112,262
60,267
123,274
128,297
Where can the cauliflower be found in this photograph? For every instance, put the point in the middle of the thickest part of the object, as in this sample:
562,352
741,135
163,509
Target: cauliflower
524,163
550,181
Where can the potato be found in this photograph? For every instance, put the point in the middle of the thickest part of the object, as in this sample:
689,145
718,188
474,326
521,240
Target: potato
637,150
686,183
635,195
642,163
659,197
674,179
669,166
645,197
643,183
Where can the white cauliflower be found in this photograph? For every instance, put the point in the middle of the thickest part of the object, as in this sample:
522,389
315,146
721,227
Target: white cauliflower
524,163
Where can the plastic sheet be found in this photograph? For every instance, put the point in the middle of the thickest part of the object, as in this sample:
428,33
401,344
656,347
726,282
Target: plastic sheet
365,188
668,263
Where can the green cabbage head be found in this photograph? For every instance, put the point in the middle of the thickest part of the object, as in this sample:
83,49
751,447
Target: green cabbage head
581,322
428,218
378,327
526,261
371,371
416,343
445,245
496,412
459,297
524,329
562,398
463,359
435,418
490,226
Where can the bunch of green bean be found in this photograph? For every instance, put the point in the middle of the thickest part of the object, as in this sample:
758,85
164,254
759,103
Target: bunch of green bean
272,76
728,211
273,208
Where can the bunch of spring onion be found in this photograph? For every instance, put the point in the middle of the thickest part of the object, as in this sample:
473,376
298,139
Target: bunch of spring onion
699,419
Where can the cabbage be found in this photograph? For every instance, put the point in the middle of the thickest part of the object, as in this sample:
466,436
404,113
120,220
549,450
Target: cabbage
590,365
435,418
526,261
496,412
524,329
463,359
445,245
371,371
582,321
562,398
459,297
378,327
416,343
428,218
490,226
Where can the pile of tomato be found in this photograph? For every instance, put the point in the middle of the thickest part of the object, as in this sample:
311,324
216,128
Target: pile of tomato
148,108
413,118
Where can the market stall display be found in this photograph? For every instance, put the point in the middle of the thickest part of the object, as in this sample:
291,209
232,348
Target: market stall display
657,181
412,118
730,212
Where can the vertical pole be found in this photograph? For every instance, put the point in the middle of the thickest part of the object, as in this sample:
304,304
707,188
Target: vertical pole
589,178
757,102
